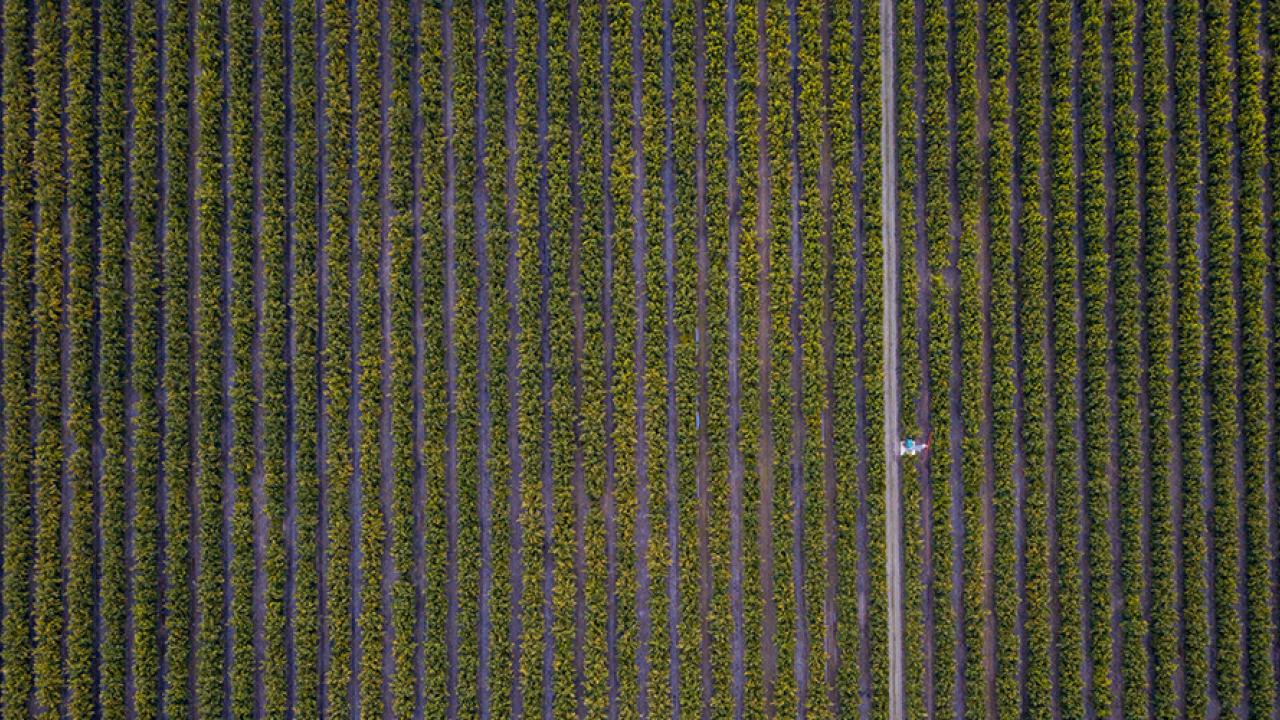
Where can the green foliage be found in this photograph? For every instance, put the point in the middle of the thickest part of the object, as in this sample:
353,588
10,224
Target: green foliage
19,260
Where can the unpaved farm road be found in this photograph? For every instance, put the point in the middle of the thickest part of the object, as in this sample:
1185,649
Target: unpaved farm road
889,238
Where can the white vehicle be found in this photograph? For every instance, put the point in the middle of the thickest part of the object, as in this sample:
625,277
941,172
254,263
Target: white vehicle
909,447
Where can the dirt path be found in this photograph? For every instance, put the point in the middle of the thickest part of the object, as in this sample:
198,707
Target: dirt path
671,465
798,420
830,526
701,471
449,224
484,444
924,404
608,503
889,249
639,258
766,454
511,219
736,471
